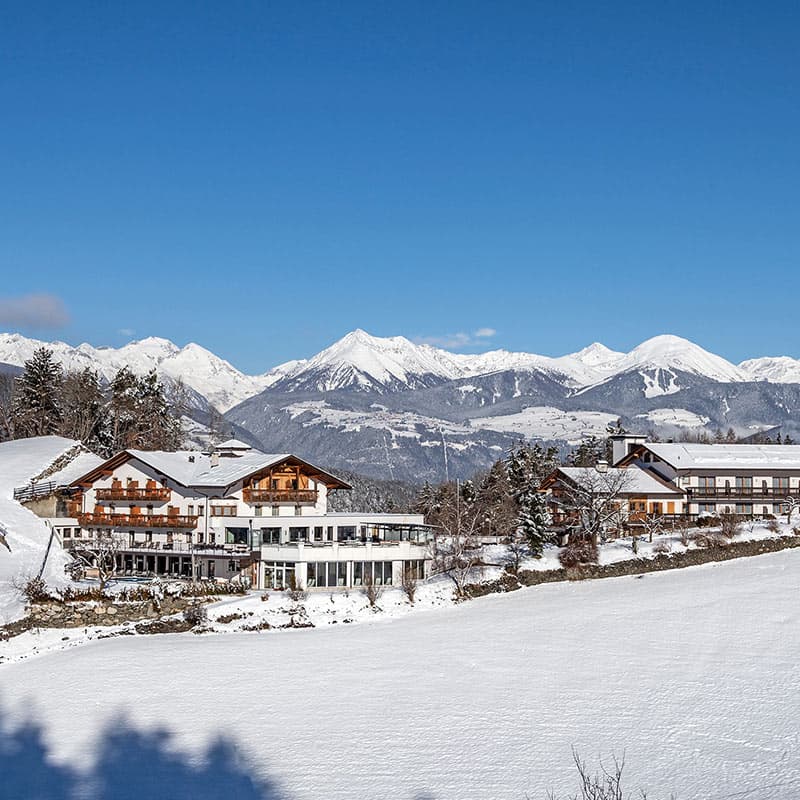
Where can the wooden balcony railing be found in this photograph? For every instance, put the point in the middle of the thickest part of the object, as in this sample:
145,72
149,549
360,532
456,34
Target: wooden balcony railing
252,495
758,492
136,521
122,493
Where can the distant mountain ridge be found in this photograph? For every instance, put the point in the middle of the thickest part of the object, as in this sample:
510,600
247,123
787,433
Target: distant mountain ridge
395,409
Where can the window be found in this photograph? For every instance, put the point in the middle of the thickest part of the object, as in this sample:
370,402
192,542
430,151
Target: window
744,486
780,486
200,538
234,566
318,529
380,571
744,508
328,574
298,511
67,533
345,532
276,512
200,510
415,569
259,511
298,534
189,510
223,511
277,574
148,536
270,536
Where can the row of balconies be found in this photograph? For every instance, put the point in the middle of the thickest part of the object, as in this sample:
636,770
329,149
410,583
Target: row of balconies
126,493
137,521
249,494
761,492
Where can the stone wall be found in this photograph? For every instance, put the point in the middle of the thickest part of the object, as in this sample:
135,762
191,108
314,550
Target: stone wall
76,614
636,566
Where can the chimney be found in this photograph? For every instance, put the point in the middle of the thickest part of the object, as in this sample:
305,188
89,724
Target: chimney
214,459
602,465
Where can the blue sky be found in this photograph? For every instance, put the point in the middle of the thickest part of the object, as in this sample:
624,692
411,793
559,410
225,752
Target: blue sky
262,178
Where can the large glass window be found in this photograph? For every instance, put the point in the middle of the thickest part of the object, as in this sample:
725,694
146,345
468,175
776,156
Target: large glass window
345,532
270,536
298,534
277,574
328,574
415,569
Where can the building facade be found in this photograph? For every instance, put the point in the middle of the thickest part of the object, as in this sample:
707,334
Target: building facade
237,512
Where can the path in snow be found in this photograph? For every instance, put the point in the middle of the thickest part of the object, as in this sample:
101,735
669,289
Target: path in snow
694,673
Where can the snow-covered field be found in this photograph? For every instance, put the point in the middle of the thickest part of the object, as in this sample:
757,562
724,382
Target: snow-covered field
692,672
545,422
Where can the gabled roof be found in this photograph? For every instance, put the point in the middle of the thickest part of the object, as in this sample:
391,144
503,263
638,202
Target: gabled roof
628,481
721,456
196,470
233,444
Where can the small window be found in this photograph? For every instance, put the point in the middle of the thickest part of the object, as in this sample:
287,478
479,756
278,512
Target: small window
259,511
276,512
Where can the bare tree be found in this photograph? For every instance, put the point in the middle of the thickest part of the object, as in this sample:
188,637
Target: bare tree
409,584
371,589
593,498
455,549
101,554
791,503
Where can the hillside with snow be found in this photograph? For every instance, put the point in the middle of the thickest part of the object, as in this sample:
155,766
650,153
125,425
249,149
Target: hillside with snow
27,535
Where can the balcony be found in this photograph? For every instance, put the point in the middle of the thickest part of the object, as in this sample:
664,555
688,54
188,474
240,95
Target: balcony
733,492
122,493
136,521
295,496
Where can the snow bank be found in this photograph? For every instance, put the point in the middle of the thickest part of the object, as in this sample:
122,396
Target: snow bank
27,535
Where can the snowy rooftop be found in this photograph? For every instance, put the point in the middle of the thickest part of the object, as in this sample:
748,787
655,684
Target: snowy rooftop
728,456
636,481
193,468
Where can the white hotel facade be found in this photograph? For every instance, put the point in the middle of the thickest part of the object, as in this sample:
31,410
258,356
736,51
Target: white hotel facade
238,511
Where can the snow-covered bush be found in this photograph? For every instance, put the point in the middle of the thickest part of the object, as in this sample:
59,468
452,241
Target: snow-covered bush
196,615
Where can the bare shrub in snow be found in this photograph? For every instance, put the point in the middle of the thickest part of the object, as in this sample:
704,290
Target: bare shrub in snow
295,592
604,784
662,548
729,526
33,589
710,538
684,535
583,551
409,585
196,615
264,596
371,590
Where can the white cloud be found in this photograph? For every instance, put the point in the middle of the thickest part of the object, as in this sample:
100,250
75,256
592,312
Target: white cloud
455,341
33,311
126,331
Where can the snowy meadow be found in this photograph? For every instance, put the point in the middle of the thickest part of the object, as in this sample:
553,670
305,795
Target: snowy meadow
483,699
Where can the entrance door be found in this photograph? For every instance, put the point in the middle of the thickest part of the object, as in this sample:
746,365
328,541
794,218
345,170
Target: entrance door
211,568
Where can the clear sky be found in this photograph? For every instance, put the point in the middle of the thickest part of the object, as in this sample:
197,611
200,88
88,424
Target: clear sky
263,177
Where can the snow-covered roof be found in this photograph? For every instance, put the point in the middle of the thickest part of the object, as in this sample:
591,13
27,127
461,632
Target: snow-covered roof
233,444
630,480
80,465
21,460
206,471
727,456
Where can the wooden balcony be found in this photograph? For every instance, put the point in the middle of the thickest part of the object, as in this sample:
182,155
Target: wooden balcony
733,492
122,493
295,496
136,521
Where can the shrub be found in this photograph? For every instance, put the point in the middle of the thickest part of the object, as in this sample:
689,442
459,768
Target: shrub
583,551
409,585
729,526
34,590
709,539
195,615
295,593
662,547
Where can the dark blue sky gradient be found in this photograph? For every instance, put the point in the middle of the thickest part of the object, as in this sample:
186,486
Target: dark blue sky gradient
261,178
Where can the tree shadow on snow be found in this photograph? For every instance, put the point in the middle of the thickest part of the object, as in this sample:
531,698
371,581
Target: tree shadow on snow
130,765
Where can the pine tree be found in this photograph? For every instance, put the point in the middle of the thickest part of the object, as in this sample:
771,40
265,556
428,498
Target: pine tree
157,427
85,415
123,410
36,407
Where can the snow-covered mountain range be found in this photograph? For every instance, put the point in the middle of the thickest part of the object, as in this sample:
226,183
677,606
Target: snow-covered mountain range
391,407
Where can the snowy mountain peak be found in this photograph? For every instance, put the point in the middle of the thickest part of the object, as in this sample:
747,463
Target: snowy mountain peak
775,369
676,353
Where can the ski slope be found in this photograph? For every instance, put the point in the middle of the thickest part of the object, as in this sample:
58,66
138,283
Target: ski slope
693,673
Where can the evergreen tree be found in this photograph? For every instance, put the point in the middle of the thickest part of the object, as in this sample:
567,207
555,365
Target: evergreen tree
36,406
85,415
157,427
123,410
527,467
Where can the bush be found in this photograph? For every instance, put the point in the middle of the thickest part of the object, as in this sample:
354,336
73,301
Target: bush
583,551
729,526
662,547
34,590
708,522
195,615
709,539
